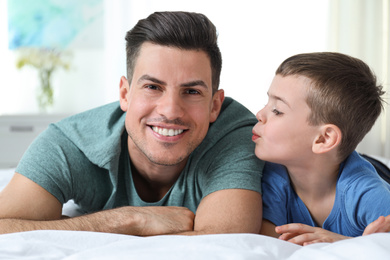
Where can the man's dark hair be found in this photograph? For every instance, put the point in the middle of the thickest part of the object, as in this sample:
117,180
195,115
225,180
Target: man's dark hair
183,30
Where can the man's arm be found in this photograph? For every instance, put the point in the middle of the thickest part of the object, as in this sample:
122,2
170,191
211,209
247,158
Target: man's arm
228,211
268,228
26,206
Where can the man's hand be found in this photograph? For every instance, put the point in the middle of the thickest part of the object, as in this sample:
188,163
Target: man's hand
382,224
303,235
148,221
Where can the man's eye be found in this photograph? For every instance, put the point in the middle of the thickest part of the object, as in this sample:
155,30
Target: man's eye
192,91
276,112
152,87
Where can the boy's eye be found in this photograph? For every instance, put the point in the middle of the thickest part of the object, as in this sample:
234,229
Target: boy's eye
276,112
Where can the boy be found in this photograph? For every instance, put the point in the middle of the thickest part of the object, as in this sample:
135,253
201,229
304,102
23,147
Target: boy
320,107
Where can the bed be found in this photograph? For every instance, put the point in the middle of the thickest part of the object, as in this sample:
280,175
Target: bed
50,244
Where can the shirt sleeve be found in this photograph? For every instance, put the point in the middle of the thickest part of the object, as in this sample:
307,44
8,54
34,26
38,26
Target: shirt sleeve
275,194
367,198
55,163
231,164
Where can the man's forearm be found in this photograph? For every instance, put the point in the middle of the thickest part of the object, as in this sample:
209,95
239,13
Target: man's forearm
139,221
21,225
97,222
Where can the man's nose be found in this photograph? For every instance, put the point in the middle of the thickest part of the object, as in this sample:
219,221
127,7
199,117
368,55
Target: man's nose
171,106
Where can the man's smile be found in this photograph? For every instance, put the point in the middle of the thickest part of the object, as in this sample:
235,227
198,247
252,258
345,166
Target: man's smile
167,131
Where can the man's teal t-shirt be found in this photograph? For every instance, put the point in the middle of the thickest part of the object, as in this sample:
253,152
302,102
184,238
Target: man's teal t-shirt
85,158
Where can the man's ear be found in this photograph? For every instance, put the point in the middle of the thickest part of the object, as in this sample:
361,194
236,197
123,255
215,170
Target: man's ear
123,93
217,101
328,138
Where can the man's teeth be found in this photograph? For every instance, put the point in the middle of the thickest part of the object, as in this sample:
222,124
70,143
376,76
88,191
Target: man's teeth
166,131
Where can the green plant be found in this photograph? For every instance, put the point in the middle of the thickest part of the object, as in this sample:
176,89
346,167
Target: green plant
46,61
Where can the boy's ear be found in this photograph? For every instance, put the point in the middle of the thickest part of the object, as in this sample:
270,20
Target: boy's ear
328,138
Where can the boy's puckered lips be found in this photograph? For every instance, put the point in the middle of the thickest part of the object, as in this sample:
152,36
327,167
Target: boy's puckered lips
255,136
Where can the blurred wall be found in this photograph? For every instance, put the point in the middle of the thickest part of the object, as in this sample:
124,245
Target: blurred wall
254,37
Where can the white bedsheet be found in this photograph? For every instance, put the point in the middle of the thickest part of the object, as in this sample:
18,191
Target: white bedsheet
89,245
50,244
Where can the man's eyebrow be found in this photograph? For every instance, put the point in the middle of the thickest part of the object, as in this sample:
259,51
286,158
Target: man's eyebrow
150,78
278,98
194,83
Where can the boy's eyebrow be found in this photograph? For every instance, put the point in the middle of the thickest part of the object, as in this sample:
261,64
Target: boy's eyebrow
160,82
278,98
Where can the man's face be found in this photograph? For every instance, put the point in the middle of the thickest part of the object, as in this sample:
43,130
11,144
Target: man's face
169,104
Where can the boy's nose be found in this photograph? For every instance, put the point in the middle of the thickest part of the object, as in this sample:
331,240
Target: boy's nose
260,116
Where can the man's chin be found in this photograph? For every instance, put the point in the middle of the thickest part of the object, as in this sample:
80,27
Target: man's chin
164,161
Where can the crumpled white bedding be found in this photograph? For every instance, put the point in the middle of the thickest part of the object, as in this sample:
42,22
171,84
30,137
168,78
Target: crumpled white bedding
89,245
50,244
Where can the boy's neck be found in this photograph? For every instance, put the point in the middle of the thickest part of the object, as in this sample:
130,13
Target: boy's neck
315,184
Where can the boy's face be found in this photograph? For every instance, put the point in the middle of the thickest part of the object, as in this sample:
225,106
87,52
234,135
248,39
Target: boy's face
283,134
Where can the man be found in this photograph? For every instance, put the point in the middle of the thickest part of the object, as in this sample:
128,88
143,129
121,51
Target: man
173,140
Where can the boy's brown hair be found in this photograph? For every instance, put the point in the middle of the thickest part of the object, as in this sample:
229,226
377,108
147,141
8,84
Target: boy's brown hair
343,92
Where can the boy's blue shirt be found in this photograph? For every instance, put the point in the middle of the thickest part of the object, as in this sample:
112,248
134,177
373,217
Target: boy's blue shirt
361,197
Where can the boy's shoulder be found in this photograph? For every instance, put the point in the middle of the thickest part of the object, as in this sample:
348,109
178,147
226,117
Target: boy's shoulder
357,163
358,171
380,165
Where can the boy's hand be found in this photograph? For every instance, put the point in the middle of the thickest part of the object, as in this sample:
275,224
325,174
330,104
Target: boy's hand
382,224
303,235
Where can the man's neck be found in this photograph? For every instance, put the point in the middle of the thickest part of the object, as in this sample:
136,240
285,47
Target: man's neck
153,181
150,190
